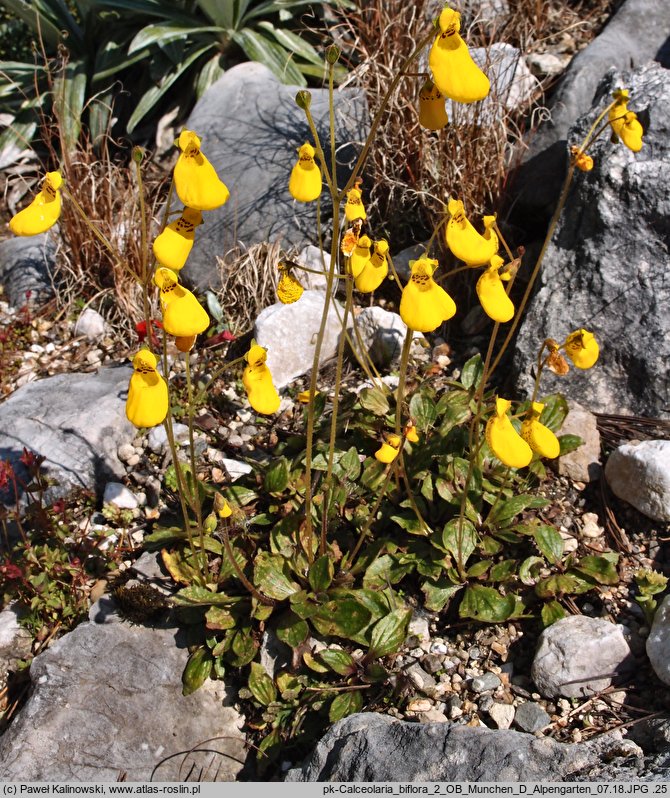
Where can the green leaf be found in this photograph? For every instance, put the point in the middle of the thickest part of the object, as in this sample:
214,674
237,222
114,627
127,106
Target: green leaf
338,661
502,571
472,372
486,604
451,540
274,56
341,618
210,72
69,98
555,411
243,648
601,569
410,523
269,577
529,569
478,568
197,670
438,593
164,32
349,464
504,512
277,476
389,634
374,400
220,13
345,704
293,43
321,574
196,596
214,306
551,612
219,619
291,629
261,685
560,585
423,410
569,443
384,571
549,542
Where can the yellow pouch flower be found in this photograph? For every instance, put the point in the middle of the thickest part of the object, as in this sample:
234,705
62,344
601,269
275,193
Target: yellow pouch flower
289,289
624,123
491,292
354,208
147,403
582,348
43,211
305,183
540,438
424,304
360,257
618,111
389,450
173,246
410,432
631,132
257,381
505,442
454,72
197,184
374,270
465,242
183,315
432,112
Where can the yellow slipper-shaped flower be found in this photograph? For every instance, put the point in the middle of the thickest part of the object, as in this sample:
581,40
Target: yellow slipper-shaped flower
424,304
183,315
173,246
631,132
305,183
432,112
360,257
374,270
257,381
390,449
465,242
43,211
454,72
540,438
354,208
505,442
147,403
197,184
582,348
491,292
617,113
289,289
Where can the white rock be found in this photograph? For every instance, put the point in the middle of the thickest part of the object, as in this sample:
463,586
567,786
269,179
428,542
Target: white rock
418,627
119,496
590,526
382,334
576,656
583,464
639,473
90,324
289,333
502,715
236,468
311,257
125,452
157,438
658,642
548,64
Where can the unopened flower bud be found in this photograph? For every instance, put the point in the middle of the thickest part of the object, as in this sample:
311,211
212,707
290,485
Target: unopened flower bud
333,54
138,154
303,99
210,524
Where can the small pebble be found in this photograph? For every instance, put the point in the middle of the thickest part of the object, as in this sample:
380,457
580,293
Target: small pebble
125,452
119,496
485,682
133,460
438,648
502,715
530,717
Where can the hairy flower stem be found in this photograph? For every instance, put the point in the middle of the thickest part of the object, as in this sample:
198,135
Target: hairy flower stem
191,446
146,276
216,374
371,517
538,373
239,572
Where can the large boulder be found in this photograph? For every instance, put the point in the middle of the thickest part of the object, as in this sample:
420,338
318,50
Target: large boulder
27,267
76,421
606,270
251,128
639,473
107,702
635,35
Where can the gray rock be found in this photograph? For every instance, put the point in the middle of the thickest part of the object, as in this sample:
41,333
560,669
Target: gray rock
485,682
27,264
107,700
251,128
606,265
157,438
401,259
432,663
117,494
15,643
274,655
77,421
235,468
90,324
658,642
310,256
639,473
382,334
578,656
357,749
530,717
547,64
633,36
289,332
582,465
420,679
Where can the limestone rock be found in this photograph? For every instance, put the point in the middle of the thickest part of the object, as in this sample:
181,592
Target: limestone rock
357,749
575,655
15,643
289,332
251,128
91,325
310,256
117,494
639,473
77,421
658,642
107,700
27,264
582,465
382,334
530,717
605,268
